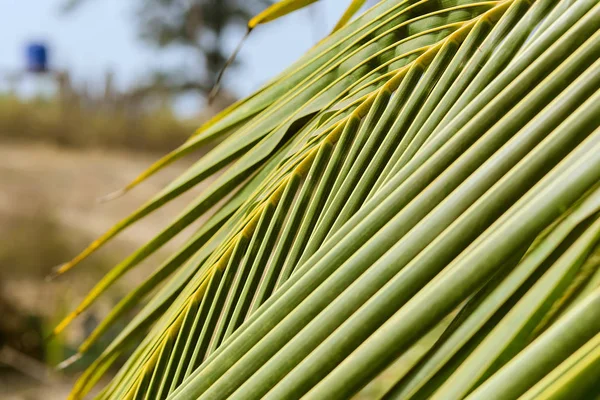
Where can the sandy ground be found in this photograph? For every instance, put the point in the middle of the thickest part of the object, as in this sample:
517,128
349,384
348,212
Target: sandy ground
72,181
67,184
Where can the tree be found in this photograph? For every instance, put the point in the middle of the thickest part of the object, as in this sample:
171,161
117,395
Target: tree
199,26
422,187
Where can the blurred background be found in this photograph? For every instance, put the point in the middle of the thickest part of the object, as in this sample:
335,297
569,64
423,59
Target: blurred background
91,93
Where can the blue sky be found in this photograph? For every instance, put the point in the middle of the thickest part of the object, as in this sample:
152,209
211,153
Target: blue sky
102,35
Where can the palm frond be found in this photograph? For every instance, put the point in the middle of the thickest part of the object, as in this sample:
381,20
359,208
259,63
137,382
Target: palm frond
431,163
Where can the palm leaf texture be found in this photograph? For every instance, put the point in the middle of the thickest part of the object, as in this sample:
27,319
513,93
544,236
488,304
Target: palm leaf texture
425,182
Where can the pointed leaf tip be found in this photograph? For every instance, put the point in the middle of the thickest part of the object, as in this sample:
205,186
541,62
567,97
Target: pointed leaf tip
55,272
217,86
112,196
69,361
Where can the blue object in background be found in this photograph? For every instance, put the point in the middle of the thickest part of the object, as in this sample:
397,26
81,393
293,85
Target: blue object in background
37,57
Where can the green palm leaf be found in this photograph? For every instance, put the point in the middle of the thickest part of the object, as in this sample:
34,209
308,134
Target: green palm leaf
429,161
